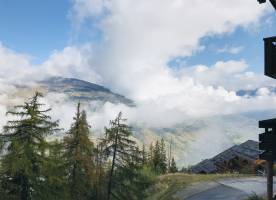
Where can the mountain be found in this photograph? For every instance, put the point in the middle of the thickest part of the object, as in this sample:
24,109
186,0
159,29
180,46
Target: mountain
199,137
193,139
82,90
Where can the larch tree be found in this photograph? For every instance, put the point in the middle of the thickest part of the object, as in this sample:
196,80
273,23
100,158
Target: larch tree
163,157
173,167
123,153
100,159
56,185
157,158
79,158
24,150
144,155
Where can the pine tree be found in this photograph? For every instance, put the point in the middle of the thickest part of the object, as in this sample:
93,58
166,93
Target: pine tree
157,158
123,153
163,157
100,159
150,162
173,167
144,155
79,158
24,147
55,184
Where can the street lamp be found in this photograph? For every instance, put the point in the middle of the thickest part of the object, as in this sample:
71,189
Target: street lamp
273,2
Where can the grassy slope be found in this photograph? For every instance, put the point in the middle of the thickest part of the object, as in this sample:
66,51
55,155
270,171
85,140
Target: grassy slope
167,185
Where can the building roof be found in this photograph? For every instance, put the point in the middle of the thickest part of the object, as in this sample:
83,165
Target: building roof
248,150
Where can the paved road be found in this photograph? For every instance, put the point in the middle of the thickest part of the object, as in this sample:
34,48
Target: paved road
220,192
230,189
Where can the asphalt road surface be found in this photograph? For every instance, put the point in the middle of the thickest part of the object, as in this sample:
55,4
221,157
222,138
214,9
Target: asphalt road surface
220,192
230,189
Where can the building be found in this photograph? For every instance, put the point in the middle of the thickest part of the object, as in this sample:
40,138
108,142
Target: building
243,158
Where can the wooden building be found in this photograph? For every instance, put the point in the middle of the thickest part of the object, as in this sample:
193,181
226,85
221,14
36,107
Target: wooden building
243,158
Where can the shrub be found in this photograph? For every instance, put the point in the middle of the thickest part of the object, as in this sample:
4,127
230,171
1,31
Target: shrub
255,197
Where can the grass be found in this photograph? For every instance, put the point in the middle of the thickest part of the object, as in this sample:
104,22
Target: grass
167,185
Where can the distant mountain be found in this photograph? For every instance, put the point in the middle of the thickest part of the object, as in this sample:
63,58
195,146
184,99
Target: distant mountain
82,90
196,139
193,139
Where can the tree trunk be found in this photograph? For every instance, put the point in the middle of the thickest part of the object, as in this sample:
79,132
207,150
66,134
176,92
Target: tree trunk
112,168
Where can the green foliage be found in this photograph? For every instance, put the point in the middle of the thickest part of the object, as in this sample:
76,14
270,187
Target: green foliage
146,177
24,145
255,197
78,158
157,157
173,167
100,179
74,168
55,185
125,158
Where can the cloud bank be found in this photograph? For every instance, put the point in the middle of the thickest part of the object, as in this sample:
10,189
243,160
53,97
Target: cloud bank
138,39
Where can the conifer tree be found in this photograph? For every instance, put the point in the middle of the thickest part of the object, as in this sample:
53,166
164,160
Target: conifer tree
157,158
79,158
100,159
56,184
24,150
144,155
173,167
123,153
150,162
163,157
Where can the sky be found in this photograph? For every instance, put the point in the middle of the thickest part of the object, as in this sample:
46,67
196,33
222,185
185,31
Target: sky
178,57
39,28
178,60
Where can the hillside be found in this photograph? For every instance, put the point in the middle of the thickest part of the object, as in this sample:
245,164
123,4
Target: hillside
191,136
80,90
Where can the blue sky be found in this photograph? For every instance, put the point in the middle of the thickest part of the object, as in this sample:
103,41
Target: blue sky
35,27
129,54
250,41
39,27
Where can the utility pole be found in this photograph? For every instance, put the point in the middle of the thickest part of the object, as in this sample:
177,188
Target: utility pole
270,179
268,148
268,139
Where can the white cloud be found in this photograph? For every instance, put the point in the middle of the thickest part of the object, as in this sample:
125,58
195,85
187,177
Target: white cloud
72,61
140,37
231,50
14,65
232,75
83,9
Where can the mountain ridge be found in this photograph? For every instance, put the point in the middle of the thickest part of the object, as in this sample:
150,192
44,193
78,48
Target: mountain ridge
80,90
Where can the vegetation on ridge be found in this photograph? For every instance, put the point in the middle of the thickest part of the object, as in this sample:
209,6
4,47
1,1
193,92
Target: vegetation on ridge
75,168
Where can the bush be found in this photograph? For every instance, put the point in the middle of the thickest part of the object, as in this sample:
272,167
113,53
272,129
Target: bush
255,197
